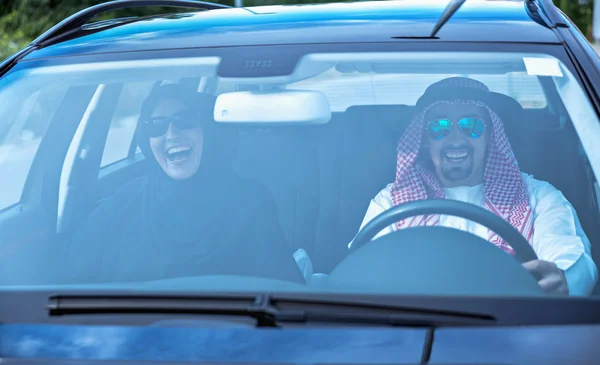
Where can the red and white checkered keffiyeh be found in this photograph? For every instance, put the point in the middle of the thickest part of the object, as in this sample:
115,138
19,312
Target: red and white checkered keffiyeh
504,188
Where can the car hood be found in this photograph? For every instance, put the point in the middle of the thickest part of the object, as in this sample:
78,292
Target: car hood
206,341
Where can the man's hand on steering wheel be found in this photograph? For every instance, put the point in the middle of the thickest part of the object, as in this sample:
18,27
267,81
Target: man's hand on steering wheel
550,278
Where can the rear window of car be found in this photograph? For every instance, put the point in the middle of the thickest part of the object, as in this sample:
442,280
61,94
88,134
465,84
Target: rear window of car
347,89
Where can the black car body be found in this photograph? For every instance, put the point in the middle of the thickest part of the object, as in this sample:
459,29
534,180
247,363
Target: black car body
221,319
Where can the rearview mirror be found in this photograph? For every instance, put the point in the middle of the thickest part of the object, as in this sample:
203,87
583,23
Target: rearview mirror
281,106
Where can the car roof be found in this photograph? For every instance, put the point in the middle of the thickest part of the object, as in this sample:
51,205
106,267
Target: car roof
369,21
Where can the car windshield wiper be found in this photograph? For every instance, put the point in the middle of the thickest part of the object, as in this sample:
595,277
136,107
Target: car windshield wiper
267,310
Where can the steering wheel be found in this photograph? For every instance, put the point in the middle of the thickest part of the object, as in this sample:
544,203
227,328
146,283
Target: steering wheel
523,250
436,260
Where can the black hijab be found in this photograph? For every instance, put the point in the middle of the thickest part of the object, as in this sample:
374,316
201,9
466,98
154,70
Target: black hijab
213,223
183,211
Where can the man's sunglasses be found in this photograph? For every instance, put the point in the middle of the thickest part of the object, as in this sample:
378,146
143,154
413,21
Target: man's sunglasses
158,126
440,128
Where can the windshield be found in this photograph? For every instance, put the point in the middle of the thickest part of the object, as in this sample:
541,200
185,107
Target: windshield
218,169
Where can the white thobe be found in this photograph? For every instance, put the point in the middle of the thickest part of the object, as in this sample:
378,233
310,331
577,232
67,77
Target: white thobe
558,236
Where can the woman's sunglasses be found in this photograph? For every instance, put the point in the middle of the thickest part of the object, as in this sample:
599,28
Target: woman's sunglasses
440,128
158,126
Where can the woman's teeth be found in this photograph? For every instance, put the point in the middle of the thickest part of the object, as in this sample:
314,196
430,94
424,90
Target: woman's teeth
179,153
173,150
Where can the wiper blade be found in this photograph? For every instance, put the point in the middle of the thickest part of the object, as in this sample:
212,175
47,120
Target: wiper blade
401,320
348,311
267,310
256,307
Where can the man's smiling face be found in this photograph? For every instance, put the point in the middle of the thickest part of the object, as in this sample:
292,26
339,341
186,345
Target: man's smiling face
458,158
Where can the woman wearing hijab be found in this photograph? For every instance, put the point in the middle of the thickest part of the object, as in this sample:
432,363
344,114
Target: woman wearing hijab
192,215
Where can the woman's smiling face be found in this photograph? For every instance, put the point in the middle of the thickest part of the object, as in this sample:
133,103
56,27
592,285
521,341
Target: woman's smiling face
178,151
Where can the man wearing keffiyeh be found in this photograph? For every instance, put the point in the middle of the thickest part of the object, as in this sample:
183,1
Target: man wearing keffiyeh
456,148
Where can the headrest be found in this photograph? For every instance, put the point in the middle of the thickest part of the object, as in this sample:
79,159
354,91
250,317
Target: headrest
394,119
